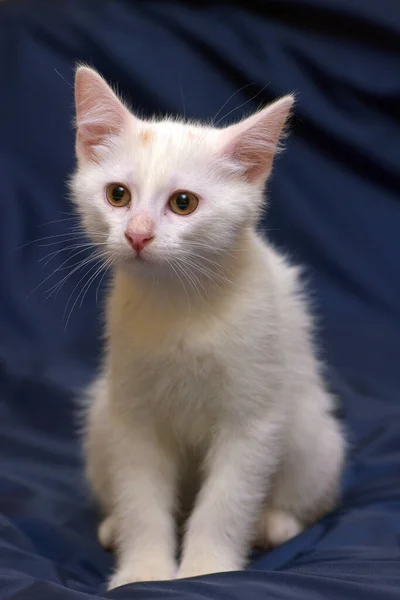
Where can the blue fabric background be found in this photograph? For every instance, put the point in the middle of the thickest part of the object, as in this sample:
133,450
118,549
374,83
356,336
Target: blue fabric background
334,205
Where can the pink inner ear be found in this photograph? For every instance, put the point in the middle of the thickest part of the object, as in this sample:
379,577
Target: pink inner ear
253,142
99,113
254,152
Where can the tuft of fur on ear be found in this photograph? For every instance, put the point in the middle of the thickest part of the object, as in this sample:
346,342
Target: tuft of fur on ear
252,144
100,114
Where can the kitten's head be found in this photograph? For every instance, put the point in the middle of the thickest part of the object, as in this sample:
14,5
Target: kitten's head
160,194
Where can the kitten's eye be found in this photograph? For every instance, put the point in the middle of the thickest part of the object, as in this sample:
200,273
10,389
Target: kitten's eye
183,203
118,195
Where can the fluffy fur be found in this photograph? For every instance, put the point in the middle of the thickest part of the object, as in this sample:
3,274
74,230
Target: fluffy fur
210,410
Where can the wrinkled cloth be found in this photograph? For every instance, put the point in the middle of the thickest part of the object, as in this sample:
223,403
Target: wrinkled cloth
333,206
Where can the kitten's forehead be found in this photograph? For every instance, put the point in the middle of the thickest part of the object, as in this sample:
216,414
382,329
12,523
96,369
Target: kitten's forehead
173,129
164,147
173,138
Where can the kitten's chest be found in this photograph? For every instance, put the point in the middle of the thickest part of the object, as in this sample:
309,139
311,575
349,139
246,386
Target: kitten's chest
180,382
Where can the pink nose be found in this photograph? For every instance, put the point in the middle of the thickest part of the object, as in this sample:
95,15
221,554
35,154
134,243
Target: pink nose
138,240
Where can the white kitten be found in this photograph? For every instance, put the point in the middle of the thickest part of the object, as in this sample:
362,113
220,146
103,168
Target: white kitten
210,399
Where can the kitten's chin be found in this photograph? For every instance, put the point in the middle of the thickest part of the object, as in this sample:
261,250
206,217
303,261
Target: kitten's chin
143,266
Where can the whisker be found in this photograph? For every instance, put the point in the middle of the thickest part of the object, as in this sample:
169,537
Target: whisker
243,104
190,276
86,274
60,236
49,256
108,264
57,287
196,267
182,97
58,221
218,277
181,281
229,99
52,255
47,278
78,253
87,285
187,276
72,238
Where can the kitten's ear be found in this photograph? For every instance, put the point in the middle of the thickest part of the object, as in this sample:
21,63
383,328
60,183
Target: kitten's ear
100,114
252,144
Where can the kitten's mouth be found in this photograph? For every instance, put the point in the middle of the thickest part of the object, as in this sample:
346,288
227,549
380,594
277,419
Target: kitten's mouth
143,257
139,258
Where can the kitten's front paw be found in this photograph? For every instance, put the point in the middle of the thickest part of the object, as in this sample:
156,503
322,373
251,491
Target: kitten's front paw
206,564
150,570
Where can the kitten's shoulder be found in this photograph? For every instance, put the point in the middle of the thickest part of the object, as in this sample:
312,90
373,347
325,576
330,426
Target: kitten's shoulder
272,266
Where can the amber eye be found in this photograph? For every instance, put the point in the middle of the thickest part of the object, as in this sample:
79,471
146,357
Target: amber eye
183,203
118,195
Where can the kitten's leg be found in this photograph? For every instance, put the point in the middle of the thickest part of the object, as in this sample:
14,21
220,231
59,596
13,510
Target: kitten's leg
307,485
221,527
144,495
97,457
96,439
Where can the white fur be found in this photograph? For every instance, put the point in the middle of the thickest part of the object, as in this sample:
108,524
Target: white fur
210,400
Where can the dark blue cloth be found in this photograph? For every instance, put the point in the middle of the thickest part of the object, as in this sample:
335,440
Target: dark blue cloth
334,205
